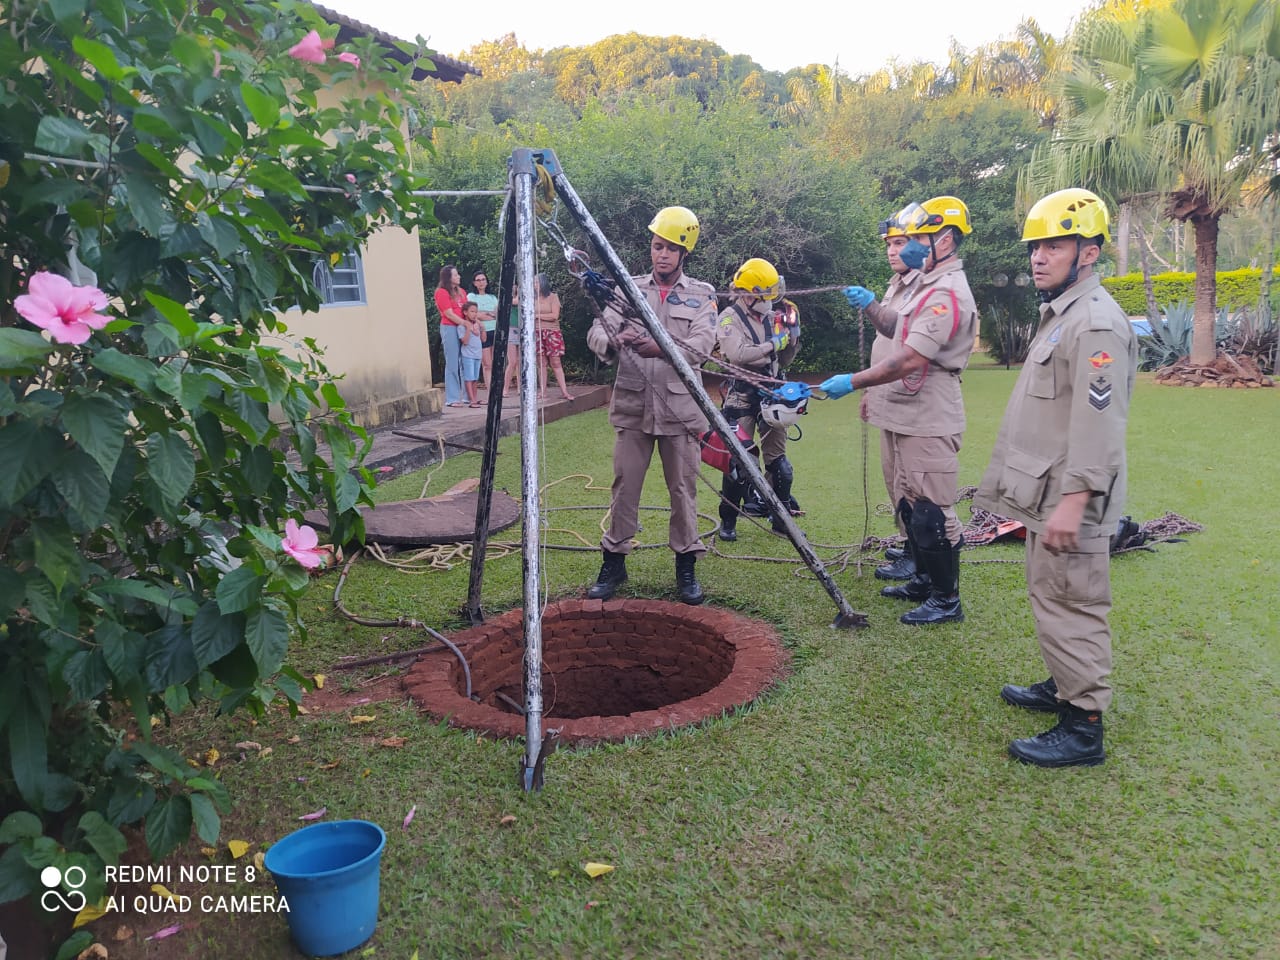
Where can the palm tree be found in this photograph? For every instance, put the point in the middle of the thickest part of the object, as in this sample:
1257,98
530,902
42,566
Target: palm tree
1174,100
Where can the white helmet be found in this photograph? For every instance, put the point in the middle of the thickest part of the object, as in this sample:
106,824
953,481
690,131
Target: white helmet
785,405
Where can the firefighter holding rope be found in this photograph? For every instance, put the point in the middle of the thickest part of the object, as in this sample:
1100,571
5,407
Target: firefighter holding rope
924,411
652,406
759,332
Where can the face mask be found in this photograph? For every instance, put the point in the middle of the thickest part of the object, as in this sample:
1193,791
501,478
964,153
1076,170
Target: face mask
762,308
913,254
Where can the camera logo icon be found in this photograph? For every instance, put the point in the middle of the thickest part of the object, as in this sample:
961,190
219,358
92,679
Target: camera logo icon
53,898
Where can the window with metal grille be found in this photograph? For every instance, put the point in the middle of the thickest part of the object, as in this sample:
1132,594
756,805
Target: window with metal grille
341,284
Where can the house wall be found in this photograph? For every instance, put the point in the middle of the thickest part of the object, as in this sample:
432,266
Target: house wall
380,347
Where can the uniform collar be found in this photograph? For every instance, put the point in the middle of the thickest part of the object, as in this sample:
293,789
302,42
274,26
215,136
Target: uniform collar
1060,303
941,270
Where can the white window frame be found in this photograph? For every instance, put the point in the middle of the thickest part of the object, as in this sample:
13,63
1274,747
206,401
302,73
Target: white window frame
344,279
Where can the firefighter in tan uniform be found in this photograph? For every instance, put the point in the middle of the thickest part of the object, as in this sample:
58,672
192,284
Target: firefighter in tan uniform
884,317
923,416
1059,467
652,406
760,332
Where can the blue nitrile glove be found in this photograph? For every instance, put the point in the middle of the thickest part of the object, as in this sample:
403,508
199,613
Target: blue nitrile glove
780,341
913,254
859,297
838,386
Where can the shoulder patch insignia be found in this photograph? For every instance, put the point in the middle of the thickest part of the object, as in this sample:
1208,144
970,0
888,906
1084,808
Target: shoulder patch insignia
727,321
1100,393
937,309
1100,360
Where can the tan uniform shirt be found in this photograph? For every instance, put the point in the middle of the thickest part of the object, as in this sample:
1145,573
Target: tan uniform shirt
745,341
1063,430
939,322
886,316
647,394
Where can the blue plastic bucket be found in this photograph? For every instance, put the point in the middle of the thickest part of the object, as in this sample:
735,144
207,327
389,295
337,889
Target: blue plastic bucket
328,872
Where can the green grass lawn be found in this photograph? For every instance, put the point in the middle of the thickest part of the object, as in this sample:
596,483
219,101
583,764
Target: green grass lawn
866,807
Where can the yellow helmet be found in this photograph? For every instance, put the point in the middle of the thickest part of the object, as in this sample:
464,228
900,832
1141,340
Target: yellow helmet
939,212
759,278
676,224
1074,212
891,227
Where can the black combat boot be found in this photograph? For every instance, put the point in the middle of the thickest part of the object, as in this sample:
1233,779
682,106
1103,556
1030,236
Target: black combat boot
687,584
1075,742
903,567
943,603
613,573
1042,696
902,563
732,491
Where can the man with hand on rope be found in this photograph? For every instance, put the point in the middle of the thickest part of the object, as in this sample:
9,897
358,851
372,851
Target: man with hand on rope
923,410
905,259
759,332
1059,467
651,405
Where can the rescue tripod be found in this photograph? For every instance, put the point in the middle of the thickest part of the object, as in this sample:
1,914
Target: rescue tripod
530,171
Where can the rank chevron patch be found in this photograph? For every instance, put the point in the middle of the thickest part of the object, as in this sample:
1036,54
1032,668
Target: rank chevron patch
1100,394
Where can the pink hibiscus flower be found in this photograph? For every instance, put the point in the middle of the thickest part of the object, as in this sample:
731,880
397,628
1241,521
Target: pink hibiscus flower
310,48
300,543
55,304
350,58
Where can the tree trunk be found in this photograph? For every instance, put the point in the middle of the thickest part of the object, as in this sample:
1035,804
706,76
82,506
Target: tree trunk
1122,240
1153,308
1203,349
1268,265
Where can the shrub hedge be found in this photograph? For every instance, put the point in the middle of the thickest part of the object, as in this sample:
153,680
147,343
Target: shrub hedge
1236,288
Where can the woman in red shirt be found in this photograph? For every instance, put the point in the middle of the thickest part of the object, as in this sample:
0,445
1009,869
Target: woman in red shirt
450,298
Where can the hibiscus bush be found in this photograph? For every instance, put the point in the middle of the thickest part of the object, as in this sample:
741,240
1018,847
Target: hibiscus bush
171,174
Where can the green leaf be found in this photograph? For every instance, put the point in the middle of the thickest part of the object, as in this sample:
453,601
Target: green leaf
28,452
74,945
57,551
86,675
20,825
346,491
67,9
11,593
160,161
166,598
61,135
170,658
18,347
125,366
146,203
208,823
173,311
81,481
215,789
98,425
28,753
171,464
17,877
219,233
239,590
262,106
106,841
237,669
168,825
214,635
268,634
121,649
100,56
